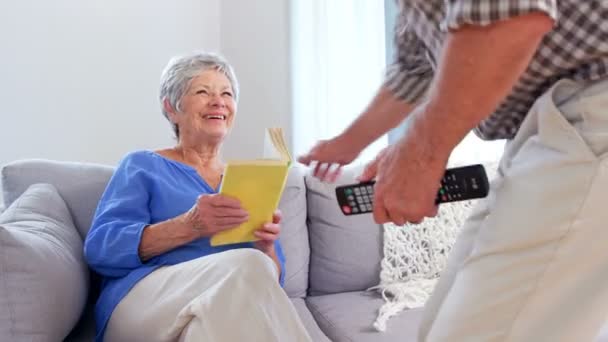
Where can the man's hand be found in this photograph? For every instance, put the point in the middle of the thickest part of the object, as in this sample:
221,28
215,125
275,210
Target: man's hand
408,175
330,155
371,169
384,112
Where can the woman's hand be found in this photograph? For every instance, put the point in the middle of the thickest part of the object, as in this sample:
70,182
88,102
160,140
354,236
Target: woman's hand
215,213
268,234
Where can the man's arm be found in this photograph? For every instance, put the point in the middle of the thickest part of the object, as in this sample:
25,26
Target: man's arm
407,79
385,112
477,70
478,67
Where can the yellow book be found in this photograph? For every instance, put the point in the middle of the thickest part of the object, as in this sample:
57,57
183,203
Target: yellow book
258,184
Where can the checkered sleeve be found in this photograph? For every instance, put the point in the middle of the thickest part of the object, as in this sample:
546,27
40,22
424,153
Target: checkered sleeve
409,76
486,12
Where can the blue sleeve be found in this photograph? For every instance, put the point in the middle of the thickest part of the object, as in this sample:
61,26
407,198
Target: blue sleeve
281,257
111,247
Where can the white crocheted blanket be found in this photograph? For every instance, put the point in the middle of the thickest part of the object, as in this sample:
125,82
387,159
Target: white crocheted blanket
415,254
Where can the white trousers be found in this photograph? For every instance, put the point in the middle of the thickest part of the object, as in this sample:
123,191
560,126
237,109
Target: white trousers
531,263
225,297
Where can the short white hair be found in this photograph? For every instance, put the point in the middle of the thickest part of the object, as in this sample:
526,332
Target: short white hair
180,70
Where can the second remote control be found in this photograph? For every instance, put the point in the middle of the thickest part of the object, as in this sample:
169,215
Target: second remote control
457,184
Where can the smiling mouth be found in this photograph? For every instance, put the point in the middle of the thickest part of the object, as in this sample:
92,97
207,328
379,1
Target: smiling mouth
214,117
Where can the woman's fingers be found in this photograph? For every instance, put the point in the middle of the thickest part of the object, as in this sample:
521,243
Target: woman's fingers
269,231
221,201
228,222
277,216
265,236
271,228
229,212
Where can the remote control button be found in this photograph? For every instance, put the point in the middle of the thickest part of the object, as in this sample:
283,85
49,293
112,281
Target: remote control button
355,210
346,209
362,207
359,199
357,191
363,191
348,192
352,203
369,207
370,189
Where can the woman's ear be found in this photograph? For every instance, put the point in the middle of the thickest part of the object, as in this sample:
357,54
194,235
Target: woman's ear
171,112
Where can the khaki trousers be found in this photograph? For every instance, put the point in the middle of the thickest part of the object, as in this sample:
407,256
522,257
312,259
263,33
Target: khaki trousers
225,297
531,263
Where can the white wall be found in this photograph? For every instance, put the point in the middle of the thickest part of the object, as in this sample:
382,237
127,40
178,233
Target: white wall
79,79
254,36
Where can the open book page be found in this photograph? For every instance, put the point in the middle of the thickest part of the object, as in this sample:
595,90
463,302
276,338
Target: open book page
275,146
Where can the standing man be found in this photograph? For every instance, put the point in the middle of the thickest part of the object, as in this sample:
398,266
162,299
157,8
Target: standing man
531,263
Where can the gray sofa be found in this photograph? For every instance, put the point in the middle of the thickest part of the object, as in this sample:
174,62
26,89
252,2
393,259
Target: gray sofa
331,259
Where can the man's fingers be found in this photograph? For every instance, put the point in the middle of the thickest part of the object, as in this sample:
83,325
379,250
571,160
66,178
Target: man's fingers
324,171
369,172
380,214
333,176
305,159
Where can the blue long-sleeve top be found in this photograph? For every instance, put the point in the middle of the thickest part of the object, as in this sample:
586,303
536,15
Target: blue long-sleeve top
146,188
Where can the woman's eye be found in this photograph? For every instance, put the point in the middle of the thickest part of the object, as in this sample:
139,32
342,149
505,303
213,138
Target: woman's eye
227,93
202,91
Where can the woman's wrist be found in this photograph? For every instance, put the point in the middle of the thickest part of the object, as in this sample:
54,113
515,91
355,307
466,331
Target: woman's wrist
187,226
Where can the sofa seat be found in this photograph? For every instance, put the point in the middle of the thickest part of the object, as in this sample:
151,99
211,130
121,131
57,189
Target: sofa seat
348,317
316,334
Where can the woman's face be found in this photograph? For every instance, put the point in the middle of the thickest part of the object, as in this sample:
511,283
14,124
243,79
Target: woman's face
207,107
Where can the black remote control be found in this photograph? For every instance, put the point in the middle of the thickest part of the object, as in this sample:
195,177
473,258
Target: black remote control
457,184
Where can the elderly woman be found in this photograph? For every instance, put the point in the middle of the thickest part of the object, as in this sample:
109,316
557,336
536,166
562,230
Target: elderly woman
162,280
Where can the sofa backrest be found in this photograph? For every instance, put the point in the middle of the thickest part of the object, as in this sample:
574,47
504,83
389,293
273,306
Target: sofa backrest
345,251
294,234
82,184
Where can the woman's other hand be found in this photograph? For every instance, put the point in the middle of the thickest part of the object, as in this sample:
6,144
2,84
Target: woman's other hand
268,234
215,213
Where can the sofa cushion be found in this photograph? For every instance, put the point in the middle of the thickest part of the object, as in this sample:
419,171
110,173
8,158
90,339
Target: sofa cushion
294,234
348,317
43,276
80,184
316,334
345,250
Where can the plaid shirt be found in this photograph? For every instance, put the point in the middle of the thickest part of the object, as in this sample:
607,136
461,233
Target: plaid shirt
577,48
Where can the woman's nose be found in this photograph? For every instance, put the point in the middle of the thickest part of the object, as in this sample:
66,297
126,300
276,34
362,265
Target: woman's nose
217,100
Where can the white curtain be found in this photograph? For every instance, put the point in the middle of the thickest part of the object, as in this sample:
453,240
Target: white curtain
338,62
